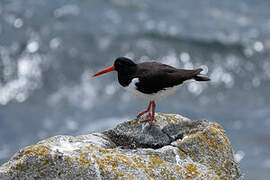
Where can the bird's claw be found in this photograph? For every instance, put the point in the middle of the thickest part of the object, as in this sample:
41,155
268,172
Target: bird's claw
142,113
149,120
147,116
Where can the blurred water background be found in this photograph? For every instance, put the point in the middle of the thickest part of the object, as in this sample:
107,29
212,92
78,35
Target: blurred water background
49,49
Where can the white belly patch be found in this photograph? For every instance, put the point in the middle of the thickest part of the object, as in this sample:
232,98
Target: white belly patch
155,96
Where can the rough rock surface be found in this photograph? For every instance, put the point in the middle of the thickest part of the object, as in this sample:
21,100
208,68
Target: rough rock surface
173,148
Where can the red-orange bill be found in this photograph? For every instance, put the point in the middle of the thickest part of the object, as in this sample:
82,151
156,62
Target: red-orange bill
111,68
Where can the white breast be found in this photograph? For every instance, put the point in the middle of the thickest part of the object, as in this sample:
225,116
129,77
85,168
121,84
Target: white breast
155,96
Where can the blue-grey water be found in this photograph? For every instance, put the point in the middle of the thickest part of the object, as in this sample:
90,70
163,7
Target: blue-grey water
49,49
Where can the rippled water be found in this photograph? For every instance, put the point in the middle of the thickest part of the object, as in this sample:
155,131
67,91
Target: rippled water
49,49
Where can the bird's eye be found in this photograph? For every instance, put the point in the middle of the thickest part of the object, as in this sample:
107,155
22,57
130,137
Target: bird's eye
118,63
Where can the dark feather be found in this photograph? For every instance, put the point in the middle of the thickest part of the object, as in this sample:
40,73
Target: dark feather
154,76
201,78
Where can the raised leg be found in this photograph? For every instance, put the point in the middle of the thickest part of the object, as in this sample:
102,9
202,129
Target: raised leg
145,111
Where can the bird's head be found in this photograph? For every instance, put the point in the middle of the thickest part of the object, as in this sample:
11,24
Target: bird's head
121,65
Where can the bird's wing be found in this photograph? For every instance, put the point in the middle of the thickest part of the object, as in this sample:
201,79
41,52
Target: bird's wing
155,78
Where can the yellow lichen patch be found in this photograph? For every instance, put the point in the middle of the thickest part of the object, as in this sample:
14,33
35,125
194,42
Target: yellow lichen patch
37,150
219,127
68,159
191,171
171,118
118,174
105,151
126,160
111,162
227,165
182,153
212,130
139,161
20,166
179,169
114,163
136,121
129,176
101,164
31,152
84,159
108,164
154,161
151,175
211,143
45,162
170,115
43,150
163,171
228,144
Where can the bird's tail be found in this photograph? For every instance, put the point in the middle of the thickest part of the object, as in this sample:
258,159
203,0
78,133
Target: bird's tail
199,77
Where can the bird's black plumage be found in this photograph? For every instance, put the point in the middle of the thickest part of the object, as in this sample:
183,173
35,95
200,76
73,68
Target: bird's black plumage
153,76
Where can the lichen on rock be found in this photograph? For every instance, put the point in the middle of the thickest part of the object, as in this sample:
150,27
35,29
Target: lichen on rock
173,148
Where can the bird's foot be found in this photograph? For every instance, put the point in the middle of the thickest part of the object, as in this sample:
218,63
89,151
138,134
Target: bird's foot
149,119
150,116
144,112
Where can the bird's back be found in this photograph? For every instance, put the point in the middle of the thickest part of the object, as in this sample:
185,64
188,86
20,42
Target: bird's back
154,76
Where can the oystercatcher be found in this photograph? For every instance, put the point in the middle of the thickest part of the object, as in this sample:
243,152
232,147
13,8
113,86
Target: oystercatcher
151,80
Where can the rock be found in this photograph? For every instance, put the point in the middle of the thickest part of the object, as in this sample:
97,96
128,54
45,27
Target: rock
173,148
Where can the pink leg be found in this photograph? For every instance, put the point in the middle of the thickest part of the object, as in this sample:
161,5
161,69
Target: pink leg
153,114
150,120
145,111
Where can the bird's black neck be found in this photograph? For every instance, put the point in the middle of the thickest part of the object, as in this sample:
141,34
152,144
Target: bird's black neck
124,78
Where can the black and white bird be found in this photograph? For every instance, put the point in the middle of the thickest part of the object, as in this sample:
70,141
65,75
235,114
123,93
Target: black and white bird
151,80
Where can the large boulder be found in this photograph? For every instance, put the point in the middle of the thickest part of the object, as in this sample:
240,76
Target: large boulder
173,148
